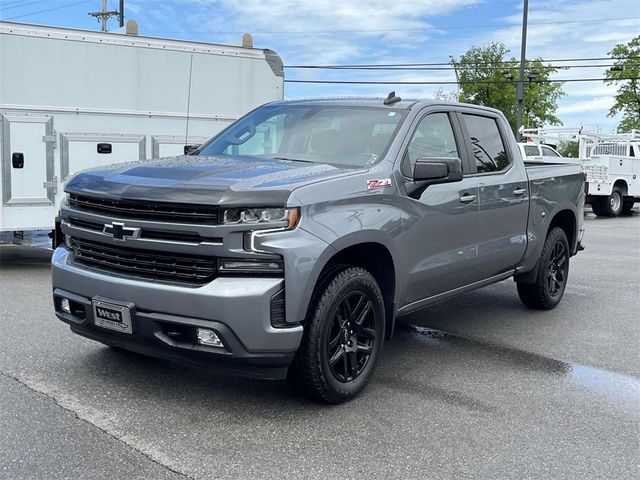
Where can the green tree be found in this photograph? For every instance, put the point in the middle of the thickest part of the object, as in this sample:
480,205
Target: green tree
487,77
626,74
568,149
445,96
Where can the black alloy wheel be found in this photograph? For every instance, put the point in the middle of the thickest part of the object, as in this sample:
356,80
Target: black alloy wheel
551,276
342,338
352,337
557,269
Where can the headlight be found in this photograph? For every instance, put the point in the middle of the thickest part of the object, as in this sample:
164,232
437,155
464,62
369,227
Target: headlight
262,215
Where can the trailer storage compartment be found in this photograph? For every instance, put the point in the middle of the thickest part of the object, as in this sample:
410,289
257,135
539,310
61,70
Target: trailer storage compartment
86,99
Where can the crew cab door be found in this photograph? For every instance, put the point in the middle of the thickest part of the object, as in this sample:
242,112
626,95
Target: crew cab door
502,192
440,240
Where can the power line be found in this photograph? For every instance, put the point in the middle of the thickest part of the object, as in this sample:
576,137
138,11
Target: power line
385,82
461,67
4,7
10,3
415,29
48,10
506,62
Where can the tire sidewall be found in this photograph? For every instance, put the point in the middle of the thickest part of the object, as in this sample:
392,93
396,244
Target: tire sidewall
365,284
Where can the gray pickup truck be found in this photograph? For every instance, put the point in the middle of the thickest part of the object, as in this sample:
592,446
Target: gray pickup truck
288,245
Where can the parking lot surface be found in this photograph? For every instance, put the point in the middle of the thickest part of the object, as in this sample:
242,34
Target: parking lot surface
475,387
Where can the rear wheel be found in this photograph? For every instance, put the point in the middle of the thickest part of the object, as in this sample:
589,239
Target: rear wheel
343,336
553,271
611,206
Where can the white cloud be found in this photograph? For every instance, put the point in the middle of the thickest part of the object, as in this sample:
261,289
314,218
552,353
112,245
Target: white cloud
379,31
586,102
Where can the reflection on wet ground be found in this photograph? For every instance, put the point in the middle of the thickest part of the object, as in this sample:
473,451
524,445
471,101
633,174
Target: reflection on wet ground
616,386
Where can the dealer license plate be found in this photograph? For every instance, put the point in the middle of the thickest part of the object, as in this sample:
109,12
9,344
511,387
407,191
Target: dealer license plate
112,316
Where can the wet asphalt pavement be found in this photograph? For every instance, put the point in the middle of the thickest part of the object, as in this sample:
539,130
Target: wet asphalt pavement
504,393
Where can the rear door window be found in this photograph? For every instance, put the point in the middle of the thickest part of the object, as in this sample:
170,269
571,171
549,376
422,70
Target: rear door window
549,152
531,150
488,148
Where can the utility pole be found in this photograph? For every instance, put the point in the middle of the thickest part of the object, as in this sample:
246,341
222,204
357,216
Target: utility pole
121,14
523,53
455,69
105,14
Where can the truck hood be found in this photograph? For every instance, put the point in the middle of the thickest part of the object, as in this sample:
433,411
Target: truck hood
204,180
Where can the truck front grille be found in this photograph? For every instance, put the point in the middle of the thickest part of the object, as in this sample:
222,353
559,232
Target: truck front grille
146,210
180,268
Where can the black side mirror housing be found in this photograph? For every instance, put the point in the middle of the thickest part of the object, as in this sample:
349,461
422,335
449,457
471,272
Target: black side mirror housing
190,149
433,170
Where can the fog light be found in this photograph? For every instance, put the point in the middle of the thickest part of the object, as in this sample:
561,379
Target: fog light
65,306
209,337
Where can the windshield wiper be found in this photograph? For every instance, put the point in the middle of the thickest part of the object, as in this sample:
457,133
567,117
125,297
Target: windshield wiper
293,159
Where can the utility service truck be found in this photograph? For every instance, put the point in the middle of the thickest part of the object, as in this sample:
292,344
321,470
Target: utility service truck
611,163
74,99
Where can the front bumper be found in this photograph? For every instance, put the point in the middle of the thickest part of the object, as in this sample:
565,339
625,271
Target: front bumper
238,308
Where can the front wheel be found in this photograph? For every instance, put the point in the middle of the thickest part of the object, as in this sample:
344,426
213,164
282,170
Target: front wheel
343,336
553,272
627,207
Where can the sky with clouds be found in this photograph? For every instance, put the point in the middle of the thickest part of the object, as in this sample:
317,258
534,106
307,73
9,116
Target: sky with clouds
324,32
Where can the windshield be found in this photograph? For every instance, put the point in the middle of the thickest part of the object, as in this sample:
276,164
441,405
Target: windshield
357,136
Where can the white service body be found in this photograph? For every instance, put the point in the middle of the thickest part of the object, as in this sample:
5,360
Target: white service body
614,164
64,91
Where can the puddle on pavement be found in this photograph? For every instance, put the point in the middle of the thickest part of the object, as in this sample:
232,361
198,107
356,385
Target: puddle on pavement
612,385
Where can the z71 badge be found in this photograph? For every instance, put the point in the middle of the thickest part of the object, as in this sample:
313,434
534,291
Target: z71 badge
379,183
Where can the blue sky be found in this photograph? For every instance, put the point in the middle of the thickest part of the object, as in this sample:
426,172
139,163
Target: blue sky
382,31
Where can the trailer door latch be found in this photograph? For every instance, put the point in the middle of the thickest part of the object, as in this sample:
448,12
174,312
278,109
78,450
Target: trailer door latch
52,185
50,139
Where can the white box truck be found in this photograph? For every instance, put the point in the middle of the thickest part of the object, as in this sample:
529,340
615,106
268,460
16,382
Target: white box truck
74,99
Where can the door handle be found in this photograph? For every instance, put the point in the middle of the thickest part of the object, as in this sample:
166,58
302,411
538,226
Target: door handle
17,160
519,192
466,198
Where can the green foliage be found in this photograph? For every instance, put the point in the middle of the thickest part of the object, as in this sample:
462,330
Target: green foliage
444,96
483,73
626,74
568,149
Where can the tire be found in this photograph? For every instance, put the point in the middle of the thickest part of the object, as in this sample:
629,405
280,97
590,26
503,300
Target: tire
612,205
627,207
597,206
553,272
342,339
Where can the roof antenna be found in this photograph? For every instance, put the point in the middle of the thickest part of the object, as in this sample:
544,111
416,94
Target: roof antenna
391,98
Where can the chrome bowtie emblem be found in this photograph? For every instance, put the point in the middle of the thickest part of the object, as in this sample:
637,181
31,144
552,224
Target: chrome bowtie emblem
120,231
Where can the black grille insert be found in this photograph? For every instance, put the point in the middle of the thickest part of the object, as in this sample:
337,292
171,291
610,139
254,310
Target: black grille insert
146,210
173,267
149,234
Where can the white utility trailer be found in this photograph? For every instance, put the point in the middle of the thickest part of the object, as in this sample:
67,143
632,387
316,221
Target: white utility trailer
75,99
611,163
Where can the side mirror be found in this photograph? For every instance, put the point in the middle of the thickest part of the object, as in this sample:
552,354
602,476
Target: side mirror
437,170
189,149
431,171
